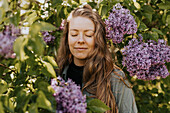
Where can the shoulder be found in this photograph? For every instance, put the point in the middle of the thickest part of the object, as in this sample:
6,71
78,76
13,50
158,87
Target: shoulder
124,95
118,78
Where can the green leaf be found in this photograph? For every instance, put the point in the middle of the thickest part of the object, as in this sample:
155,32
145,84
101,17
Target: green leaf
3,86
154,1
32,18
18,66
164,5
104,11
2,14
157,31
163,1
23,99
142,27
36,44
51,60
41,1
168,20
137,5
33,108
18,47
148,16
164,17
154,90
15,19
43,102
89,111
40,26
55,2
4,5
8,104
148,9
154,36
97,105
48,70
42,85
147,36
47,26
1,108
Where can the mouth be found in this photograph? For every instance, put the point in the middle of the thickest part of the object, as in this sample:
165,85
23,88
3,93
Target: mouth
80,48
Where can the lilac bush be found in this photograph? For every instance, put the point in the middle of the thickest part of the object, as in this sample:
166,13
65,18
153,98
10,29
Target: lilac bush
146,60
68,96
119,23
7,38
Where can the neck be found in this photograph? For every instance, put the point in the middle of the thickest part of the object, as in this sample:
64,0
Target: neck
79,62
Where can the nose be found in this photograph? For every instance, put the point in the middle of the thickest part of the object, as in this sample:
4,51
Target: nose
81,39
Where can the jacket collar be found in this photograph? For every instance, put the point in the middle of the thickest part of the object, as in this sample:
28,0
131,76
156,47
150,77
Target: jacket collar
64,74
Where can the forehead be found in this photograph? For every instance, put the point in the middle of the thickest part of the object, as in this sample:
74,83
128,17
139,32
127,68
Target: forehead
81,23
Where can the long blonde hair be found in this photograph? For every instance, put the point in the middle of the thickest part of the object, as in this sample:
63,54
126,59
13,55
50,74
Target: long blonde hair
99,64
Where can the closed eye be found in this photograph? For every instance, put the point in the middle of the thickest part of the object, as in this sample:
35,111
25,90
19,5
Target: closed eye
89,35
73,35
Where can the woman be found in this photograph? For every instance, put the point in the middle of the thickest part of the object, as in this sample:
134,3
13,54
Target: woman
84,57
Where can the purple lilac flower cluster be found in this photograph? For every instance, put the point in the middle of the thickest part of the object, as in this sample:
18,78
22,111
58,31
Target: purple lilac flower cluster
48,38
119,23
68,96
7,38
146,60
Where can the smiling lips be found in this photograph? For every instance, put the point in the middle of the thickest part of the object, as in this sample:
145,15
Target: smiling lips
80,48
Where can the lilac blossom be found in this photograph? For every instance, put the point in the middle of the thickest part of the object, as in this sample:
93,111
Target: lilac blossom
146,60
68,96
48,38
7,37
119,23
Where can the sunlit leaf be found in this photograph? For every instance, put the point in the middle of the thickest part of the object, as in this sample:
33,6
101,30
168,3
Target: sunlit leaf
32,18
137,5
18,47
48,69
8,104
43,102
41,26
1,108
4,5
2,14
51,60
3,86
33,108
97,106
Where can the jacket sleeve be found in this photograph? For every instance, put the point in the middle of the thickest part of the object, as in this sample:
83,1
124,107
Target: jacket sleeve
124,96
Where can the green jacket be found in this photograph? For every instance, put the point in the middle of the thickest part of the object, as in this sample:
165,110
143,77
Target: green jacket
124,96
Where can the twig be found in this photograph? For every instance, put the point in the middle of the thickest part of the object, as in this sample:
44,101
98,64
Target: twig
8,68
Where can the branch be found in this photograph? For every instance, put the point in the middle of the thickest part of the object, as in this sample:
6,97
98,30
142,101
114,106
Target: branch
8,68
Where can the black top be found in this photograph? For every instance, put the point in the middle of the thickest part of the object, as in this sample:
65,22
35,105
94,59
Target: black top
75,73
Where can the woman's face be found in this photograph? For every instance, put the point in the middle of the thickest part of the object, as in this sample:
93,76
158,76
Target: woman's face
81,38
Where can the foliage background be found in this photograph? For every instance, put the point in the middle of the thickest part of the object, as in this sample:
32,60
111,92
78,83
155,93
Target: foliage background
25,80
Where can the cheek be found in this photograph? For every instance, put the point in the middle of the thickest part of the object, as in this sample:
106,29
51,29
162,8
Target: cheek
91,43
